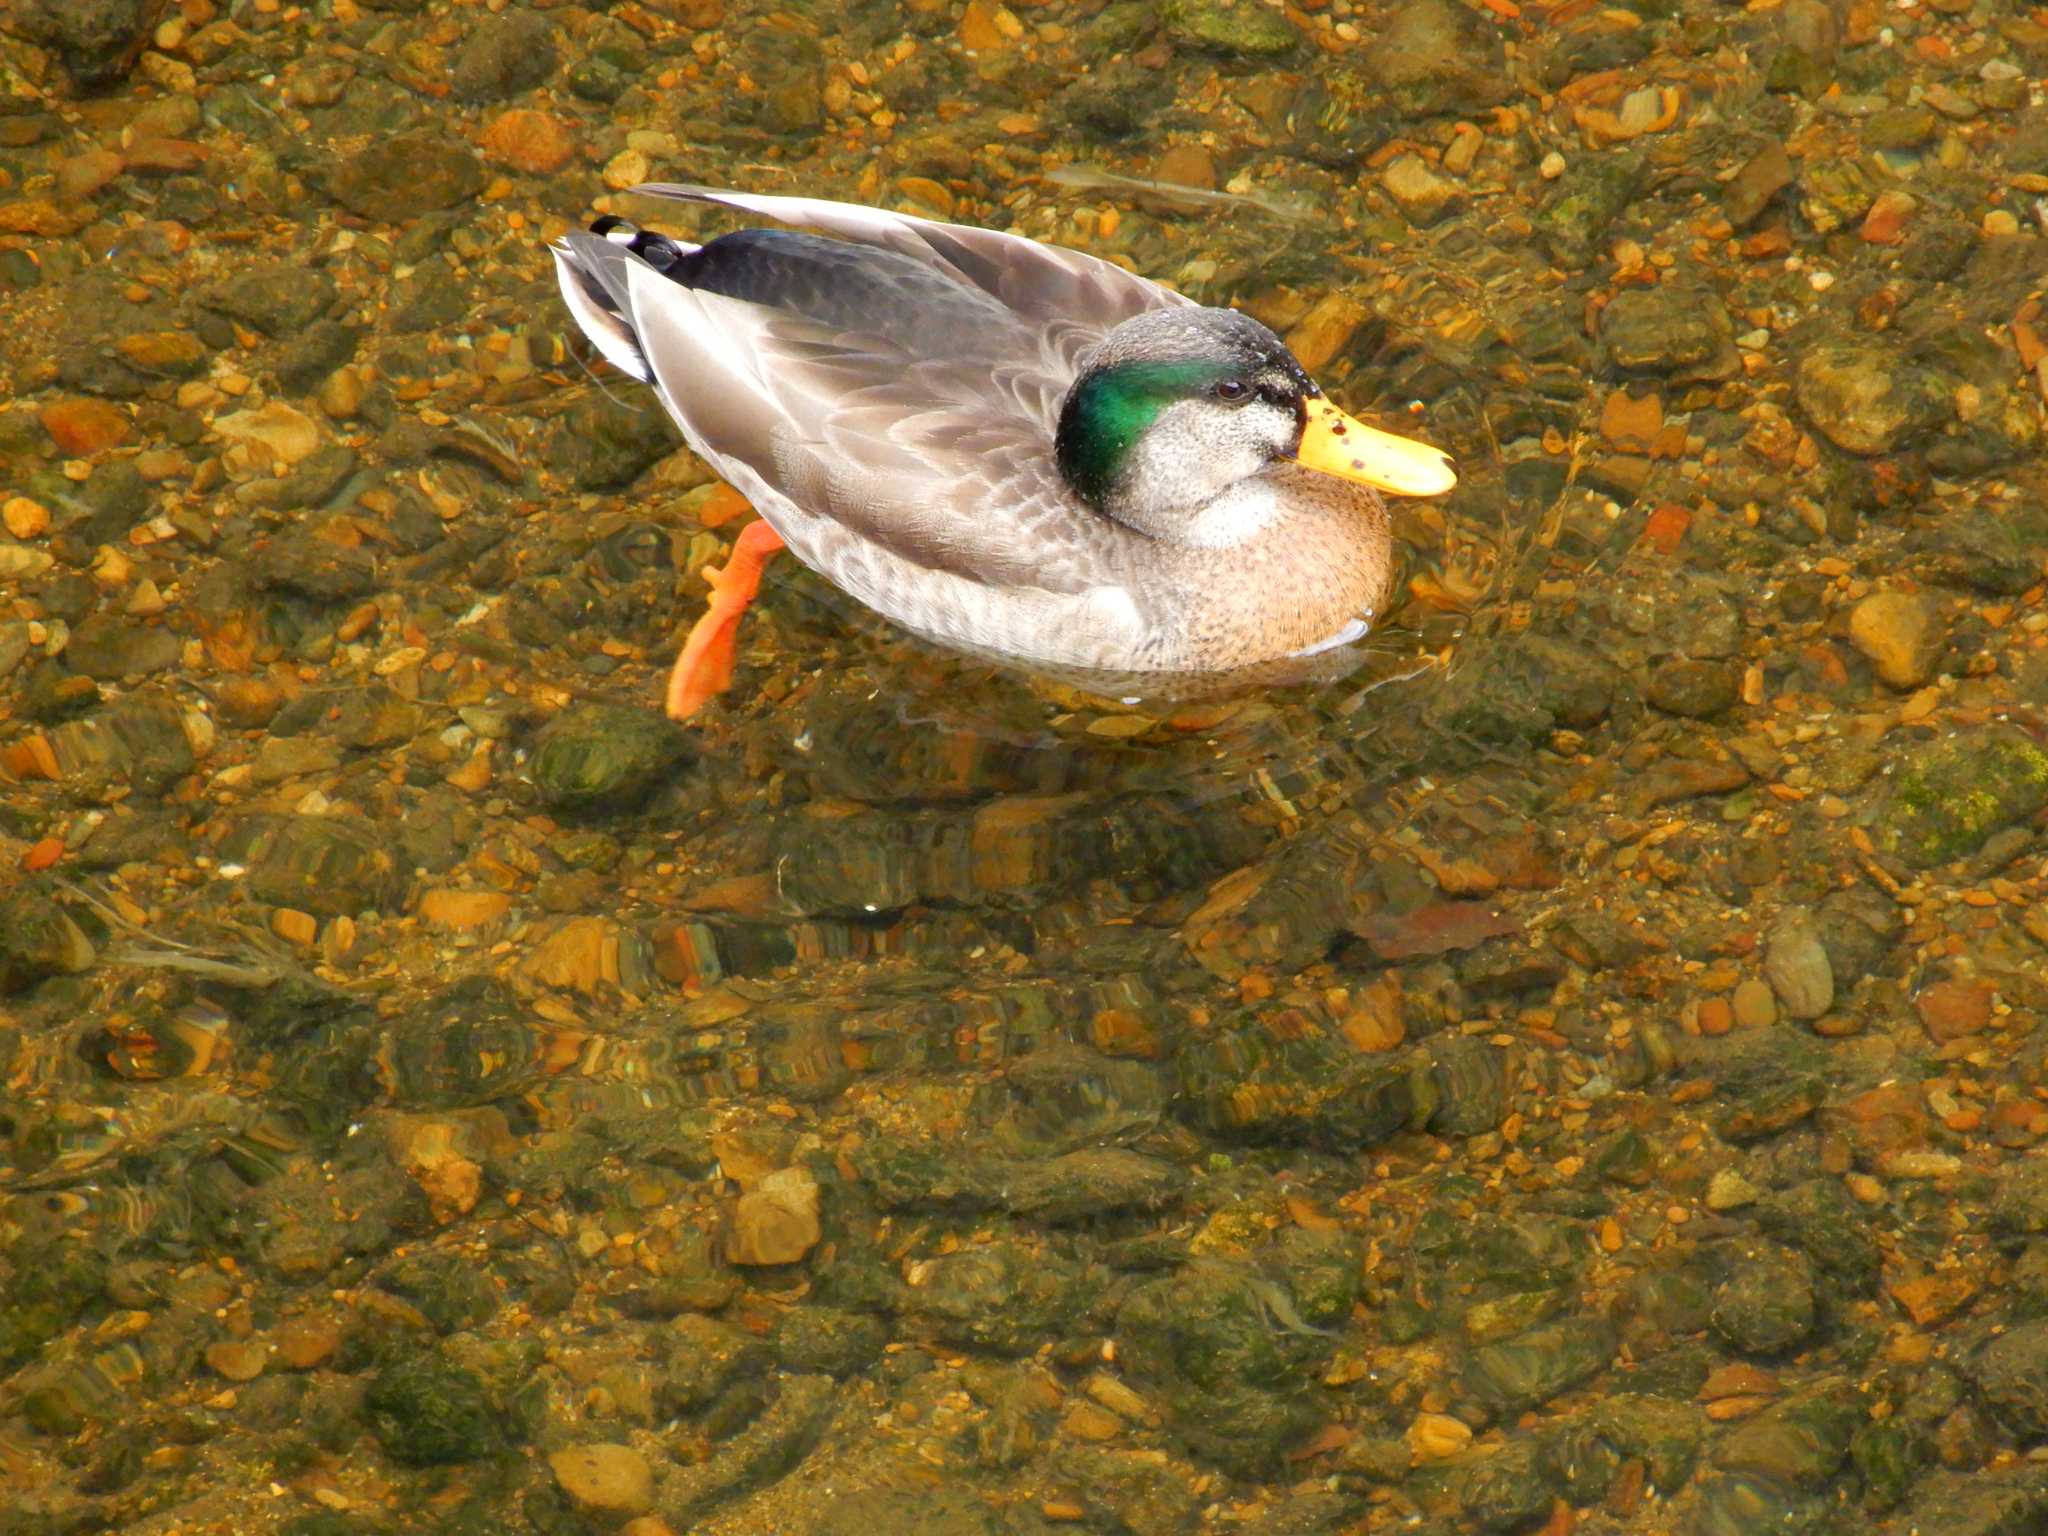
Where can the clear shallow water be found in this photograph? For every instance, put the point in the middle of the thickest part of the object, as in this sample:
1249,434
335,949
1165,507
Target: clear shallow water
1577,1072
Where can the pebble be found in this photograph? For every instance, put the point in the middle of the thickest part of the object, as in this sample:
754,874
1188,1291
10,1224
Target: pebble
1422,196
82,175
1756,186
775,1222
535,143
25,519
1901,633
1435,1436
1728,1190
1321,335
460,911
1797,967
1756,1006
1954,1009
267,439
981,29
1885,224
475,935
237,1359
82,428
607,1480
1695,689
1187,165
628,168
307,1341
395,180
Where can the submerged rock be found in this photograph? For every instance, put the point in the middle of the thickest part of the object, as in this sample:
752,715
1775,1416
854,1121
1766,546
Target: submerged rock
505,55
610,1481
1531,1368
1227,1355
1434,59
1766,1305
1867,396
1007,1296
1950,796
395,179
1799,1442
1234,28
428,1413
329,866
1669,330
38,939
1901,633
1058,1189
98,40
1796,964
2012,1373
599,757
903,1512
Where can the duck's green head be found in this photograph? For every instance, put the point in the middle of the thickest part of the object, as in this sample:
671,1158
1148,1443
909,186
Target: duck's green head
1178,406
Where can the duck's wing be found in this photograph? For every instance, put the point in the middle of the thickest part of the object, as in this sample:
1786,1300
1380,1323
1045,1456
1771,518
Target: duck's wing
1074,294
868,458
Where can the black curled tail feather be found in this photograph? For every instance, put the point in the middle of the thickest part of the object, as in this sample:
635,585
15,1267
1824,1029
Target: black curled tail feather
593,270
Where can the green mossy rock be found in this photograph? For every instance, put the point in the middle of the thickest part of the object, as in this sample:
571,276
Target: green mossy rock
427,1413
1950,797
1236,28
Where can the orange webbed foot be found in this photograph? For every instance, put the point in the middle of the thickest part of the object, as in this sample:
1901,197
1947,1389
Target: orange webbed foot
705,665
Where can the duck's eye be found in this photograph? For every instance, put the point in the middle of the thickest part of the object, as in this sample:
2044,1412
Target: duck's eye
1232,391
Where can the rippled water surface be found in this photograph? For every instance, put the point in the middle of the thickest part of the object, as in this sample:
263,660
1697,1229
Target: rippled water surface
1580,1071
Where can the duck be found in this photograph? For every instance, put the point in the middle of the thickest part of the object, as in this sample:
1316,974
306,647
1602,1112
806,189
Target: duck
1014,450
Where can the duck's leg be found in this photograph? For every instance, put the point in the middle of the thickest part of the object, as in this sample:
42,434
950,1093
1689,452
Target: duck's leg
705,666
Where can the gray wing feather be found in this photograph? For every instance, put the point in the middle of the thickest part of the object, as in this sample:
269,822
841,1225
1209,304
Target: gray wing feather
1043,283
948,467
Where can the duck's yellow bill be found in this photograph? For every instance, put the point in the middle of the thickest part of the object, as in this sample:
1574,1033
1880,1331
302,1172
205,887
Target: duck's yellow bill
1338,444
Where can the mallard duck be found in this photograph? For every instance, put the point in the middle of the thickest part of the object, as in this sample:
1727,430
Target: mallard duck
1015,450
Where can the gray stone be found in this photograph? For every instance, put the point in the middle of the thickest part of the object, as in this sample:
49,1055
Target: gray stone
2012,1373
1673,329
395,180
1796,965
278,298
98,40
1693,688
1756,186
1766,1306
505,55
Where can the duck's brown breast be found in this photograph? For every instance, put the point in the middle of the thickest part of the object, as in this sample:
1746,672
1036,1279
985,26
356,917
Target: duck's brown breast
1325,564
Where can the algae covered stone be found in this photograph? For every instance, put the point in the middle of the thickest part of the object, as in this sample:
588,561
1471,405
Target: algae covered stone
1950,796
1238,28
428,1413
1229,1357
1866,396
600,756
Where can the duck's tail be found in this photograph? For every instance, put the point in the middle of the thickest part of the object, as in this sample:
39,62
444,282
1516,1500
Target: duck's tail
592,271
